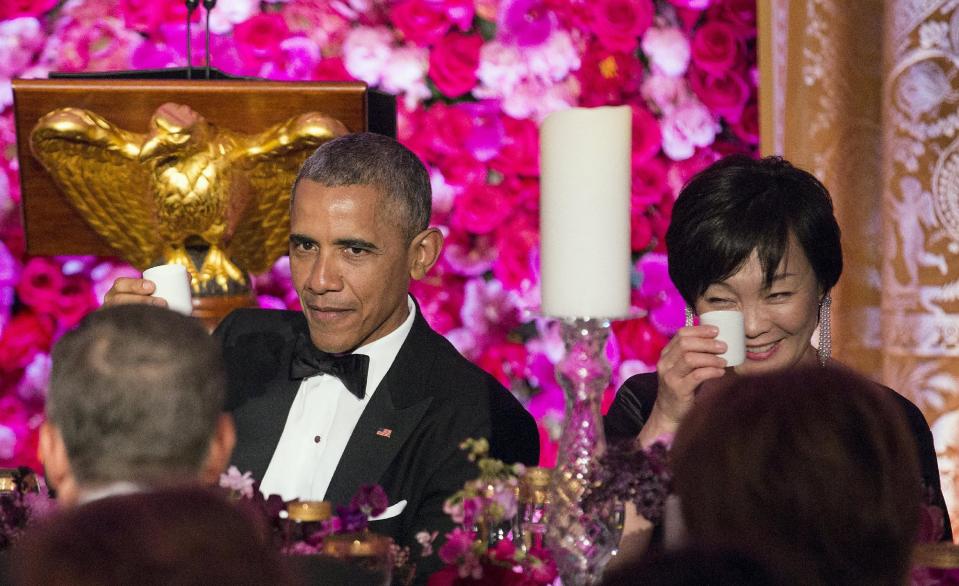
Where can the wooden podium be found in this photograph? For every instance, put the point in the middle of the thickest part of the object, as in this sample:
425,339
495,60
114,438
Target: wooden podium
54,227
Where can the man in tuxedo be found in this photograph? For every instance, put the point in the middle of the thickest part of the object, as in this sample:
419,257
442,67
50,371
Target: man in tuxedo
135,403
357,388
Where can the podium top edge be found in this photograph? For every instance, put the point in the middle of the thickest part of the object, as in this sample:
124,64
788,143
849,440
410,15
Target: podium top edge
195,85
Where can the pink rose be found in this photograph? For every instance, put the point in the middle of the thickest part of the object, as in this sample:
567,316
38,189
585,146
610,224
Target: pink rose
76,300
488,308
667,50
618,24
26,335
516,262
480,209
146,16
526,23
440,297
447,124
469,255
647,137
681,172
649,184
715,47
20,39
688,126
258,39
228,13
40,284
664,91
608,76
519,154
405,74
366,52
16,8
297,61
420,21
453,63
485,137
725,95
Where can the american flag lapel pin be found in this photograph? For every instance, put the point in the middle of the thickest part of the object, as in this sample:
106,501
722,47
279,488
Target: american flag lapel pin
384,432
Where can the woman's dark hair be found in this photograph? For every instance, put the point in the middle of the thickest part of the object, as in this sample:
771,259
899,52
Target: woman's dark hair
738,205
816,473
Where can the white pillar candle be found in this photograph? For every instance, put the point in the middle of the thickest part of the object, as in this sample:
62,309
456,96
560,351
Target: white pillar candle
584,212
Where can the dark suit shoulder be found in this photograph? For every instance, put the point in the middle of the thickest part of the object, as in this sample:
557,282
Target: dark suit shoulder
513,433
631,407
255,320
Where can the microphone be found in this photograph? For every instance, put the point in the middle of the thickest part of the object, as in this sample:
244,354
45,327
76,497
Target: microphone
209,5
191,6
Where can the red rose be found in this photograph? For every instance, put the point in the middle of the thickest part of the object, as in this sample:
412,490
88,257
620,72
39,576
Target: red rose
440,296
740,14
506,361
639,340
519,153
725,95
332,69
146,16
748,126
24,336
447,125
480,209
647,136
453,63
715,47
640,230
258,38
618,24
607,76
420,21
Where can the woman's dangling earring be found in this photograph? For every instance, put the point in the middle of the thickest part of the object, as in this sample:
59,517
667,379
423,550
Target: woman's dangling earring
689,316
825,336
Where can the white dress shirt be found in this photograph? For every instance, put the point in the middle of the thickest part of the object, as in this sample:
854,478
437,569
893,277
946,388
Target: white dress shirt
321,421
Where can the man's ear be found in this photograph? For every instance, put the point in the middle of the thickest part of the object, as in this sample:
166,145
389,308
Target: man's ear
221,447
56,463
424,251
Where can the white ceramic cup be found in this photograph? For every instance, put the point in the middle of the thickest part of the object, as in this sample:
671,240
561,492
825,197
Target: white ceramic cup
731,331
173,284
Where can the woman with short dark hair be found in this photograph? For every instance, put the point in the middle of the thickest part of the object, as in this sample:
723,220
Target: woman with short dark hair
760,237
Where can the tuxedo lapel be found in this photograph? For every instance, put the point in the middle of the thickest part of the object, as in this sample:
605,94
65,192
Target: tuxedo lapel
393,413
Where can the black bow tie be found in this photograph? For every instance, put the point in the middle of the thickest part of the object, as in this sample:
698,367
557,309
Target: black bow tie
349,368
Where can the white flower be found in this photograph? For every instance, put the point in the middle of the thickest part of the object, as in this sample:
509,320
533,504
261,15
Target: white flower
366,52
667,49
239,483
8,442
688,126
404,74
228,13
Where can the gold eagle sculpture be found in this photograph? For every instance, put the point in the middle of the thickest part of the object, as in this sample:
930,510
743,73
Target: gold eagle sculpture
187,191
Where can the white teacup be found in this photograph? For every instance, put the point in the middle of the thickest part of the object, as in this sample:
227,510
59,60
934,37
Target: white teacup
731,331
173,284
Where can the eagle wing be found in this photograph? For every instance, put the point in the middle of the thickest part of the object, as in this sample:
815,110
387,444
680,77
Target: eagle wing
272,160
95,164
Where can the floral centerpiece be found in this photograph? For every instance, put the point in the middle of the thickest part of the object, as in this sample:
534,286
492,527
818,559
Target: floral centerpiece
482,549
24,500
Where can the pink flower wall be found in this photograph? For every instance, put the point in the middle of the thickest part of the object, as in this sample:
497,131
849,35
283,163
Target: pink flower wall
473,79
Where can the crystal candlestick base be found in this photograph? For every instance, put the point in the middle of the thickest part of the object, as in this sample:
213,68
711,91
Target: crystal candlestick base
581,541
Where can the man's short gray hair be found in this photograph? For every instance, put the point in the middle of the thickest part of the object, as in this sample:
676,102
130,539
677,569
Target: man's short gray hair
136,391
381,162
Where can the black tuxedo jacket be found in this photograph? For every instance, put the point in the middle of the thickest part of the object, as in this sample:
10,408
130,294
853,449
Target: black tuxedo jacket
431,399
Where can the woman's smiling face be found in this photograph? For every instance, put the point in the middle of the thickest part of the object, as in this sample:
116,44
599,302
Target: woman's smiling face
779,318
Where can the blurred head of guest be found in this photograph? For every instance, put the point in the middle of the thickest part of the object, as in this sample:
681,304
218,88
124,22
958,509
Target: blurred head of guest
185,535
815,472
694,567
135,401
